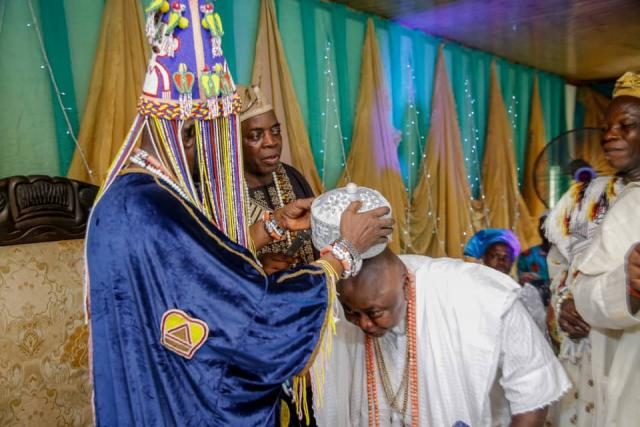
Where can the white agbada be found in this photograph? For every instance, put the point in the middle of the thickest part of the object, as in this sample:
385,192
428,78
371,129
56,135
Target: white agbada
571,227
470,327
600,293
530,298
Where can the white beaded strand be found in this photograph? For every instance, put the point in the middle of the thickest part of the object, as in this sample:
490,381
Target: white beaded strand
139,159
281,201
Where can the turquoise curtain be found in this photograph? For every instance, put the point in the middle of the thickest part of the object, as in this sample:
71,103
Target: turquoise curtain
469,72
323,43
83,20
53,22
409,58
552,97
27,125
35,135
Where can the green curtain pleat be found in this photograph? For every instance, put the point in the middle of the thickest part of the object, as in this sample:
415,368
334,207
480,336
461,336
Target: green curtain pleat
412,56
348,29
383,34
469,74
425,55
291,29
356,29
28,144
83,25
313,74
341,56
475,121
516,83
552,98
53,23
327,84
398,58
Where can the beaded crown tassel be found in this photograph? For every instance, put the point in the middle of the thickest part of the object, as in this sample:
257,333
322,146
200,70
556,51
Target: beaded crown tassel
188,79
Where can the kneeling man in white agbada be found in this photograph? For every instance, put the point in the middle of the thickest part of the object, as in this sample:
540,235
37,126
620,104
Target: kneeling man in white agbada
424,342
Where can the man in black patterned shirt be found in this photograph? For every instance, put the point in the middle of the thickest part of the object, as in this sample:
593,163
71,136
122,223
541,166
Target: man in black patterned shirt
271,183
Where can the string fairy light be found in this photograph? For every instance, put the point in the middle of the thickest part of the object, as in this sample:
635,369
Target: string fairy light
475,161
412,128
331,106
59,94
513,115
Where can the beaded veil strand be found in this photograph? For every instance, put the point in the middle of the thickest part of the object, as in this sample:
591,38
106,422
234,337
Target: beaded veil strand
188,79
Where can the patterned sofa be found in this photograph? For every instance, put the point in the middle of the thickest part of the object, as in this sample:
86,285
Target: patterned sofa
44,375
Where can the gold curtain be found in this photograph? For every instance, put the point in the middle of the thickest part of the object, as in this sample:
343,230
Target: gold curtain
440,218
373,160
595,106
535,145
505,206
271,71
118,74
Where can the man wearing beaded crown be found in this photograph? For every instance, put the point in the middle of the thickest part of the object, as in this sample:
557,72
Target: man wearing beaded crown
186,327
422,342
271,183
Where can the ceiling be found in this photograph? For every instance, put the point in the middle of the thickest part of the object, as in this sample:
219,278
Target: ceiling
582,40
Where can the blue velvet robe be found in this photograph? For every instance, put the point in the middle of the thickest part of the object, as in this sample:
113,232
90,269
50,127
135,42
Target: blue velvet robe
148,251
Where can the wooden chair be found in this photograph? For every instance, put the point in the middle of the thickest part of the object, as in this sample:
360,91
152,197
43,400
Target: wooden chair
44,374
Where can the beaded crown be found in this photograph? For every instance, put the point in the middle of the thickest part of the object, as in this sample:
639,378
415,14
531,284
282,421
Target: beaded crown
188,79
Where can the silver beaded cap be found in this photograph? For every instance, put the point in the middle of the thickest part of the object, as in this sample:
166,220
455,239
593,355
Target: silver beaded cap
327,209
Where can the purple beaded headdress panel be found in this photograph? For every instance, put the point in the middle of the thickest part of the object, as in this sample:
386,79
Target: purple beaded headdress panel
188,70
188,79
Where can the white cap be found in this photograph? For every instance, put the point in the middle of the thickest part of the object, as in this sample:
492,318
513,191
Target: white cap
327,209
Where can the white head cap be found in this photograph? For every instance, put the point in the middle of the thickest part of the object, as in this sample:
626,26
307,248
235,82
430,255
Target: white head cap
326,212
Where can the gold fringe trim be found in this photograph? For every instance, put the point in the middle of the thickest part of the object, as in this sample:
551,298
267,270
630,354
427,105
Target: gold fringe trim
322,350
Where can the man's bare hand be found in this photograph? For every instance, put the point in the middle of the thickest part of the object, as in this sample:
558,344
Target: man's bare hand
365,229
633,267
533,418
633,277
295,216
571,322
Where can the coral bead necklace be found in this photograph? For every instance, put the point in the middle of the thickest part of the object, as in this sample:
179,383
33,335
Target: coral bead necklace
408,387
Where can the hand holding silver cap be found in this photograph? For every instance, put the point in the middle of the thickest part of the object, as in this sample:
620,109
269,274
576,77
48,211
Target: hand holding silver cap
367,224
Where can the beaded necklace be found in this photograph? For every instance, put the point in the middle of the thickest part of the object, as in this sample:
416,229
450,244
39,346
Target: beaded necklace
144,160
393,398
409,382
276,183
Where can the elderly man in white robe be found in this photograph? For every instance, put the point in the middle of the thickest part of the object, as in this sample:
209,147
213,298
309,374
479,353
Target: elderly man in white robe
605,283
423,341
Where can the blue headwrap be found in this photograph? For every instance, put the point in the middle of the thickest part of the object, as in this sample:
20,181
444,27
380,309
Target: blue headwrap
480,242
